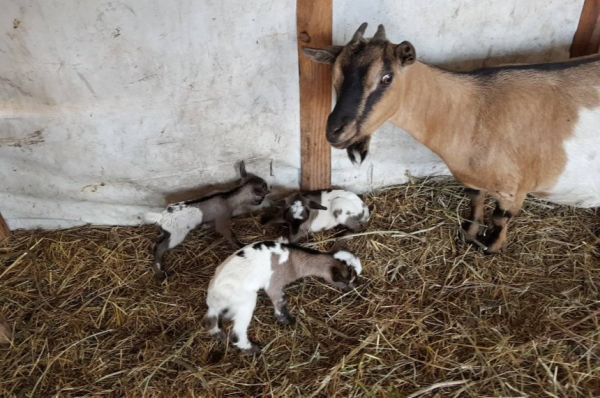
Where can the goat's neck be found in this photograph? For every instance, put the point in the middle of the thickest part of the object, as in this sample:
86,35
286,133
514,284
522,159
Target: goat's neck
238,199
437,108
309,264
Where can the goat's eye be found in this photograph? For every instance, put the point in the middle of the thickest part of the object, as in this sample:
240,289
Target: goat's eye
386,79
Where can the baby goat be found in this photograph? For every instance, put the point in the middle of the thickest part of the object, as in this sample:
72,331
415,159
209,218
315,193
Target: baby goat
269,265
321,210
178,219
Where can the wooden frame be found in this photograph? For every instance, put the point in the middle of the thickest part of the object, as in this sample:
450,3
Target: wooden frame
587,37
4,230
314,29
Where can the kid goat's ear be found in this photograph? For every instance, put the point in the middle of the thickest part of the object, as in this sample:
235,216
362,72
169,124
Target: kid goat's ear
243,173
338,245
316,206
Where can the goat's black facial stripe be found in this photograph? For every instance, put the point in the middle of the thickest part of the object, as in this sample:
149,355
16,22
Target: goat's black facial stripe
375,96
351,93
295,226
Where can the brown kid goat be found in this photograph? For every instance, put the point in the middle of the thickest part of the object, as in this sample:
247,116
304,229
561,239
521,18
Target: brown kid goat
178,219
505,131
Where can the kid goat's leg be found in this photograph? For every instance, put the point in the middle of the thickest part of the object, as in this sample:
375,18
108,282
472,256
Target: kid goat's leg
241,321
164,241
495,236
279,301
223,226
210,322
471,226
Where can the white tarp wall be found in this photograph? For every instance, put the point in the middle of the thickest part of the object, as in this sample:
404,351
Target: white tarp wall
105,106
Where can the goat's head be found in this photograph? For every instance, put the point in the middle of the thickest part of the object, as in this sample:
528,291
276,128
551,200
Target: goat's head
346,269
252,186
297,211
367,75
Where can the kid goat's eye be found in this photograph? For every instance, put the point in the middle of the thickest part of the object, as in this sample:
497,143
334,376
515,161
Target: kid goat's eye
386,79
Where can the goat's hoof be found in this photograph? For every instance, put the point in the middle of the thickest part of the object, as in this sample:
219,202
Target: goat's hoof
254,349
492,248
160,276
470,231
220,335
286,320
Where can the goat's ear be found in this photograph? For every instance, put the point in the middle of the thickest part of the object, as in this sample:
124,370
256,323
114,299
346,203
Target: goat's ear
323,55
338,245
316,206
272,218
340,274
406,54
243,173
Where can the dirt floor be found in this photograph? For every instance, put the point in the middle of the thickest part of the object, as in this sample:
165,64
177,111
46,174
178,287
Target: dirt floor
432,317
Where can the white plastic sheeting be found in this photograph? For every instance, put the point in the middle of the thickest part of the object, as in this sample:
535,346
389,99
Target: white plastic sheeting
105,106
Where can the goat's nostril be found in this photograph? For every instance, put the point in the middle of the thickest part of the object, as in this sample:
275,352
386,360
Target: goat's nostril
336,125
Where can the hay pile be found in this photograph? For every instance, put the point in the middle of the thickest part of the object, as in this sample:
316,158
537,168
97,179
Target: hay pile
432,317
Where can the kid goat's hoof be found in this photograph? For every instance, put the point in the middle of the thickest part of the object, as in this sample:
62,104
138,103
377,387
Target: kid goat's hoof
253,350
286,320
161,276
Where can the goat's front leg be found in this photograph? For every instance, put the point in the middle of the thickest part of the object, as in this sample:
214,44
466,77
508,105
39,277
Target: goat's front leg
495,236
163,244
279,301
471,226
223,226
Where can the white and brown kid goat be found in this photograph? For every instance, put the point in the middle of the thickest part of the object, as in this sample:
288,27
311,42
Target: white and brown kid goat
178,219
316,211
269,265
504,131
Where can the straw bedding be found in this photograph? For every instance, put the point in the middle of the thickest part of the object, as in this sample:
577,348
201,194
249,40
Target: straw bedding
432,317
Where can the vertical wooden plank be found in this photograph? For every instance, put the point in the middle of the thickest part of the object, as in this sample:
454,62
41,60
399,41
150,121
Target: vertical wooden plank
4,231
587,37
314,20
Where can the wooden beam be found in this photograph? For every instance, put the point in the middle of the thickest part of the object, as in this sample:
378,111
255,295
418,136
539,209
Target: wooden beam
314,27
587,37
4,231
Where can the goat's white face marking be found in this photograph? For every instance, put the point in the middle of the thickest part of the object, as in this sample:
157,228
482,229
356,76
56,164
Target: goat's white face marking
297,210
349,259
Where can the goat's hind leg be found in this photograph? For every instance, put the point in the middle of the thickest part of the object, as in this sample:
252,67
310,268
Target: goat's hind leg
495,236
279,301
241,321
212,323
471,226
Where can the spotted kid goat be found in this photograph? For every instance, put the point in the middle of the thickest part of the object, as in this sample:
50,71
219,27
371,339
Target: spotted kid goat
504,131
269,265
318,211
178,219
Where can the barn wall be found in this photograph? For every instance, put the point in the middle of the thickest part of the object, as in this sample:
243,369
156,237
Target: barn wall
106,106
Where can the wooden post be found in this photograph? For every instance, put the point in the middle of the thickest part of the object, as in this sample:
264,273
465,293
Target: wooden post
587,37
4,231
314,20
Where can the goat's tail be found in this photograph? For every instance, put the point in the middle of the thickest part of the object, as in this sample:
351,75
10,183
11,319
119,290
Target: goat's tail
153,218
